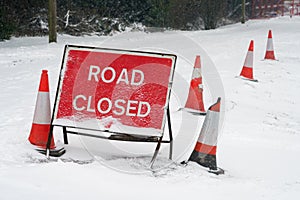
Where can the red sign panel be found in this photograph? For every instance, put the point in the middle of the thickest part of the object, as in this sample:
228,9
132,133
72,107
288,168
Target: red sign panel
114,90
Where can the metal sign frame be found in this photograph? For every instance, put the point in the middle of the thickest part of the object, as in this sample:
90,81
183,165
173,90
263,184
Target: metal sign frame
121,136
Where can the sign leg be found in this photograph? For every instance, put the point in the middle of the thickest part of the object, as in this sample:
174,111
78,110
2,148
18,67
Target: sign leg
49,141
65,135
170,133
155,152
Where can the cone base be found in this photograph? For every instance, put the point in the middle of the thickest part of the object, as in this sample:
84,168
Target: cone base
248,79
39,135
57,152
195,100
218,171
247,72
270,55
205,160
193,111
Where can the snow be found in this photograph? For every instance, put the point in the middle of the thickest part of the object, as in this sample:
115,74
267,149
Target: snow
259,138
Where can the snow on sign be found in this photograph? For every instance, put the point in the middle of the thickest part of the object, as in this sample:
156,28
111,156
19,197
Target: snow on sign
114,90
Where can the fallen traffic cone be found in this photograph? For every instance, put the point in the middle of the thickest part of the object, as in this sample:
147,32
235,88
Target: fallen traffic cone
194,101
42,115
206,147
247,71
270,48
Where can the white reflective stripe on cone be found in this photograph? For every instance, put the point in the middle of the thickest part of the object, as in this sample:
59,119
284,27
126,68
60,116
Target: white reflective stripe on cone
196,73
270,45
249,59
42,113
210,128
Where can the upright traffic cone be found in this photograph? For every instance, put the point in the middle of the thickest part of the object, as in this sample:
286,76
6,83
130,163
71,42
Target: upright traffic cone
247,71
42,115
206,147
194,101
270,48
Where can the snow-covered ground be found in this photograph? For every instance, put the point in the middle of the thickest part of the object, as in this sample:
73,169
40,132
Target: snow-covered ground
259,142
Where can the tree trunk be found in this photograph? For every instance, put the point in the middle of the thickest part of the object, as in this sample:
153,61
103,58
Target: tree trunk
52,21
243,12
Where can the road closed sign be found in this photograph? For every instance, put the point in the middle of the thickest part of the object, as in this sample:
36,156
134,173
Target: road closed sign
114,90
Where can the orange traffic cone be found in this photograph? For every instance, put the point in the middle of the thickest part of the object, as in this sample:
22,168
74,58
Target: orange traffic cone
270,48
206,147
194,101
42,115
247,71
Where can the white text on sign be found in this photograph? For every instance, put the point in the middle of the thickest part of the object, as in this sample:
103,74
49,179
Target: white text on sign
137,77
119,106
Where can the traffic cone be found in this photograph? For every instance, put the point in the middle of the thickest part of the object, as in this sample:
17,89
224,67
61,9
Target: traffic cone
194,101
42,115
270,48
247,71
206,147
